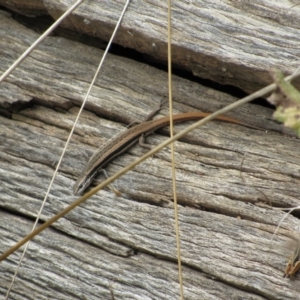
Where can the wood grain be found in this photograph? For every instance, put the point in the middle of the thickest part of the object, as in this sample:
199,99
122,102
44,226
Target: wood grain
129,242
230,42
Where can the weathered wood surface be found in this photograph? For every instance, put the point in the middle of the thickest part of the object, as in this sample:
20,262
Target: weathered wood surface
230,42
128,242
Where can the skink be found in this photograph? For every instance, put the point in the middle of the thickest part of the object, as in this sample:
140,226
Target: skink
126,139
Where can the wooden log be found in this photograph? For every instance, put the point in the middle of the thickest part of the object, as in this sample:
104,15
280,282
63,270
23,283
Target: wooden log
224,173
81,271
230,42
